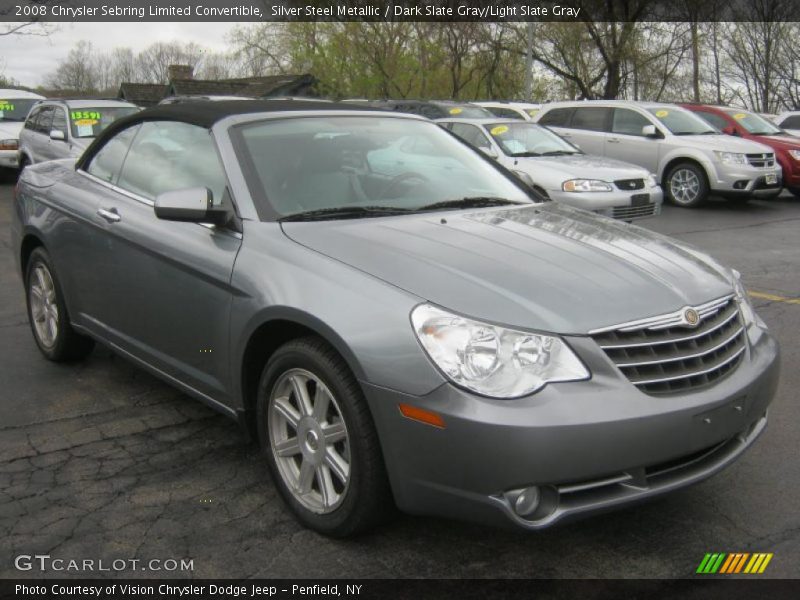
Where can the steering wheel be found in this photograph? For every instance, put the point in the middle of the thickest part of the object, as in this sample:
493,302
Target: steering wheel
401,178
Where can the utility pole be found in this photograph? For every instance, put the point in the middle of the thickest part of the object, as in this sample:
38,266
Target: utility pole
529,63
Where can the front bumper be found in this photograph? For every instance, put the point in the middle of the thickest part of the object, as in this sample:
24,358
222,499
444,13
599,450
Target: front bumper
744,180
8,159
625,205
592,445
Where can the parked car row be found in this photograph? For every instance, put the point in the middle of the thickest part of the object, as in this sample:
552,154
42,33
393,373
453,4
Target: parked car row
396,318
686,149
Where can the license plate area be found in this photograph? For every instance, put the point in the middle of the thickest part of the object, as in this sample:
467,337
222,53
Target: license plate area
640,199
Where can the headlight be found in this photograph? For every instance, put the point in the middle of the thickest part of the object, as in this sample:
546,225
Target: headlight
492,360
731,158
795,154
743,299
651,181
9,144
585,185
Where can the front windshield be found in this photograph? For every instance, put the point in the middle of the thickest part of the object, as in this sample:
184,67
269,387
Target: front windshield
680,121
753,123
89,122
310,164
528,139
15,109
466,111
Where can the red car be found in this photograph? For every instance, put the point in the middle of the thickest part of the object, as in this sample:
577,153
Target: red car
748,125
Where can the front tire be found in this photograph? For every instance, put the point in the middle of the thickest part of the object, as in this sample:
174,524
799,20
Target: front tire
47,312
686,185
320,441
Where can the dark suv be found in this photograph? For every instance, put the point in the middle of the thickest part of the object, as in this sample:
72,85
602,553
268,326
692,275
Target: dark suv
745,124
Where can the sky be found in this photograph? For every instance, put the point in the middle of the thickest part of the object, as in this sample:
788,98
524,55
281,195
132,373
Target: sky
28,59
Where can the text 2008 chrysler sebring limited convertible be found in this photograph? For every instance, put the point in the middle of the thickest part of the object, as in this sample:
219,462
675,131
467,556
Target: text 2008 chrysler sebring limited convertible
396,317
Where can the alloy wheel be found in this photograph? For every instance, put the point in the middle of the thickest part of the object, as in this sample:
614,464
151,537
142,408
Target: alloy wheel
684,186
44,308
309,440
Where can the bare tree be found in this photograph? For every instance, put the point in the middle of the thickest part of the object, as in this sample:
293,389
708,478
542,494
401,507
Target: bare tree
76,71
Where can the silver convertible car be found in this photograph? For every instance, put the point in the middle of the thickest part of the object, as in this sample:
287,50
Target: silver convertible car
432,337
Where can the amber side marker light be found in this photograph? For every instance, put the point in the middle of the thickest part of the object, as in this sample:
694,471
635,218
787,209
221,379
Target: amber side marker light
423,416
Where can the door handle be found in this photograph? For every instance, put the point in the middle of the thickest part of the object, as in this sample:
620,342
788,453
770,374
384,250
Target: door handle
109,214
613,140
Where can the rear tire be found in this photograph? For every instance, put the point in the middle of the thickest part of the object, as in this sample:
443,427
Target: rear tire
686,185
320,441
47,312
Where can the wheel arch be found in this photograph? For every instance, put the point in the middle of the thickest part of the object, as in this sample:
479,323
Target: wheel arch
30,241
676,160
268,332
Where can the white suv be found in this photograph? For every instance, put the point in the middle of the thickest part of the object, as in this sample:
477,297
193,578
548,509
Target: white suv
686,154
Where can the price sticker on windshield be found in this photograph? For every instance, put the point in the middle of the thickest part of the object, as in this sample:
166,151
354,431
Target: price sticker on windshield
499,130
86,122
662,113
456,111
533,112
739,116
6,106
84,115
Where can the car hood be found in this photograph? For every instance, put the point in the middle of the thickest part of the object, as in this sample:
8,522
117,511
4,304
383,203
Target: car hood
584,166
725,143
9,130
781,142
545,266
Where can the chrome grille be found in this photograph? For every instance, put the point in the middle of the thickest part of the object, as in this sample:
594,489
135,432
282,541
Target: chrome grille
663,355
630,184
633,212
766,159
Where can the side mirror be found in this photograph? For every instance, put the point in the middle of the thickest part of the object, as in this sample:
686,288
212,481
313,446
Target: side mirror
730,130
650,131
488,151
58,135
192,204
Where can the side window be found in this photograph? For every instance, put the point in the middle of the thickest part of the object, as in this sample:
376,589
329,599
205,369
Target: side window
713,119
59,120
168,156
590,118
471,134
558,117
30,122
791,122
628,122
44,120
107,162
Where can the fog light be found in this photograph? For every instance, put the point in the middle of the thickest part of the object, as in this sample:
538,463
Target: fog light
527,502
740,185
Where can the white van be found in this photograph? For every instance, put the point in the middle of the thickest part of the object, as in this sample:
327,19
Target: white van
14,107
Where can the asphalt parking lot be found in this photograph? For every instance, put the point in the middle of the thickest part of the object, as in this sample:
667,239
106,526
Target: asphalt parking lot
100,460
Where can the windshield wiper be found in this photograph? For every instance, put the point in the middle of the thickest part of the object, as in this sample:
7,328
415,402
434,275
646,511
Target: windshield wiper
467,202
345,212
524,154
559,153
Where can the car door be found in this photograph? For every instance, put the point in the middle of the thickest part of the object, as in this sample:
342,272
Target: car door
168,293
588,128
626,142
41,134
53,149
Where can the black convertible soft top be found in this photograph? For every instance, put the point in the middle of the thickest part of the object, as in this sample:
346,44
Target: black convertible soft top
205,113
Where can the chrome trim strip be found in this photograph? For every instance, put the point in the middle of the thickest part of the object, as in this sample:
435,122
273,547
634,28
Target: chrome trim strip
687,357
686,338
687,375
579,487
651,322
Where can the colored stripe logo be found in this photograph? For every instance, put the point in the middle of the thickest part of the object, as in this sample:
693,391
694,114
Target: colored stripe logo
734,562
